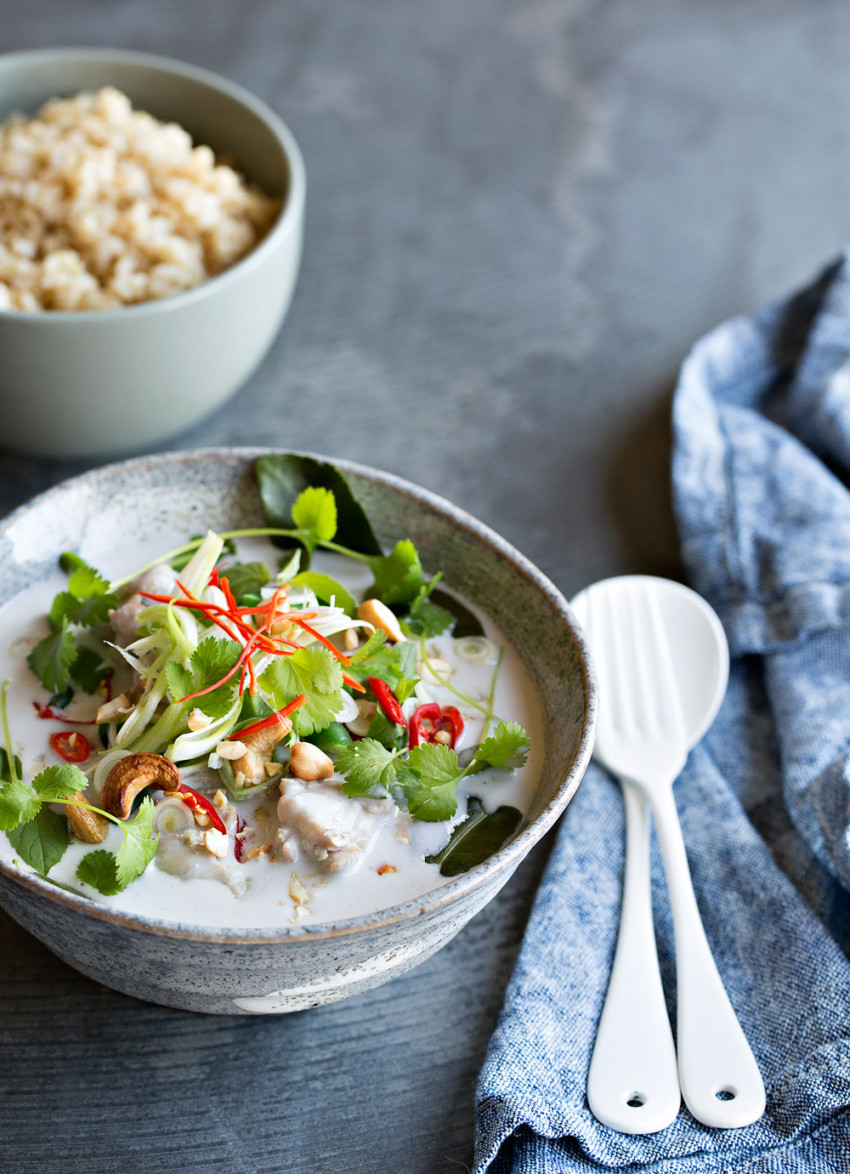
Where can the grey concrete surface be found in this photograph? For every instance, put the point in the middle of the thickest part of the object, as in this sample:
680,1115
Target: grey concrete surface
520,215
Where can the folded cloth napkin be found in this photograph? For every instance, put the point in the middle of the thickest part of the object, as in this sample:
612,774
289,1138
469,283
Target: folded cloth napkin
761,470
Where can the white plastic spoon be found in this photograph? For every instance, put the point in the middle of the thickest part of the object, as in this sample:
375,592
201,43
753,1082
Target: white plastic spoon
663,666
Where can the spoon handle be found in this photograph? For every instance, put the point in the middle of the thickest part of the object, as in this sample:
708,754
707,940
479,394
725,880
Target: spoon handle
633,1085
721,1082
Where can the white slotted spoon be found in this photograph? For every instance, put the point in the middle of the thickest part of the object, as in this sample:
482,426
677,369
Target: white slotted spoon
663,667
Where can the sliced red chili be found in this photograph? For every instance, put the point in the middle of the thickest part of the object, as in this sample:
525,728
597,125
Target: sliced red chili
387,700
71,746
197,803
432,719
56,715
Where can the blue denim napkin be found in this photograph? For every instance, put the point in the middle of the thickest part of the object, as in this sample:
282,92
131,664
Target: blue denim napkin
761,469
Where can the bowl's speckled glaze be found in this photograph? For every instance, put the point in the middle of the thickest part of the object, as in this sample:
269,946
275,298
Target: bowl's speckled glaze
294,967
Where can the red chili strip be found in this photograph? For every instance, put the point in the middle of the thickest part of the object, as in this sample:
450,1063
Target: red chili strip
387,700
271,720
340,656
429,720
71,746
239,844
246,651
352,684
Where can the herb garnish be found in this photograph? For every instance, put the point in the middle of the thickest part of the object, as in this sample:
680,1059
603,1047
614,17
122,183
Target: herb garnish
426,782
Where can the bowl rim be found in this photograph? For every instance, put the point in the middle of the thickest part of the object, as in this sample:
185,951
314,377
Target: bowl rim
504,860
287,220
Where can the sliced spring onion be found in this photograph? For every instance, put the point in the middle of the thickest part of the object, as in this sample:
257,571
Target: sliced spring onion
475,649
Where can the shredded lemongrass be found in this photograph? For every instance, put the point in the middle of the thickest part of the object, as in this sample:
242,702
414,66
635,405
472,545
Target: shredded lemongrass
444,681
7,737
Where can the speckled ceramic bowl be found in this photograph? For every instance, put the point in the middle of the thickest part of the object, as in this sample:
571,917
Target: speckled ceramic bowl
103,382
287,969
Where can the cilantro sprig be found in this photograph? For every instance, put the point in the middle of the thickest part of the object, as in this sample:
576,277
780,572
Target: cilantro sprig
40,836
57,660
426,781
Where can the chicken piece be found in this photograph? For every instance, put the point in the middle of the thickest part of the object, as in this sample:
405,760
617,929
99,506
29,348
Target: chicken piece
159,580
332,829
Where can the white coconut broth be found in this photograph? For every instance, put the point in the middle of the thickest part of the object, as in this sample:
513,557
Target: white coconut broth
266,891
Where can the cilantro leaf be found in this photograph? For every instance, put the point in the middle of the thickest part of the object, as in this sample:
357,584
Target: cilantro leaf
210,662
18,804
398,576
59,782
246,578
180,680
506,749
393,663
314,513
139,846
52,657
41,842
368,768
427,619
325,588
428,782
87,600
388,733
100,870
313,672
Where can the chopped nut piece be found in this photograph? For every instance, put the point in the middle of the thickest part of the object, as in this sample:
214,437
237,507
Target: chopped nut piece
351,639
379,616
385,868
202,819
299,894
403,836
231,750
309,763
110,711
298,914
219,798
198,720
215,842
273,769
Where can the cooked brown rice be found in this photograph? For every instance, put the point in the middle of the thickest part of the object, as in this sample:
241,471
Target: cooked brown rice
102,205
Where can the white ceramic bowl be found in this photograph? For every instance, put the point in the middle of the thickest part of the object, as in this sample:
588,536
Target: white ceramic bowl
112,381
292,967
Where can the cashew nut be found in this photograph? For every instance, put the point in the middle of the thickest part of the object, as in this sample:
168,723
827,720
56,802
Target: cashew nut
258,752
131,775
88,826
379,616
309,763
